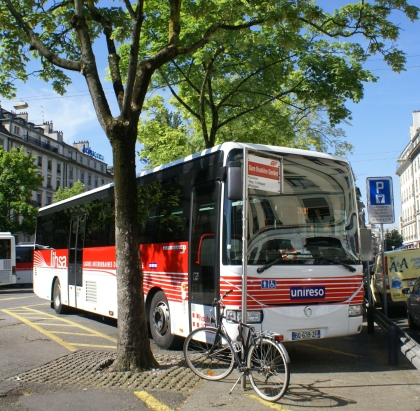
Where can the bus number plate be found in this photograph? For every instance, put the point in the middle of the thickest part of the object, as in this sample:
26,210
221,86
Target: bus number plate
303,335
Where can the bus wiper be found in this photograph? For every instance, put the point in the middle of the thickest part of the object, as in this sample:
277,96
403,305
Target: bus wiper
348,266
268,265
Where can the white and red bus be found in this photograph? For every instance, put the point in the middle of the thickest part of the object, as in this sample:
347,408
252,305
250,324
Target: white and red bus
7,259
298,210
24,263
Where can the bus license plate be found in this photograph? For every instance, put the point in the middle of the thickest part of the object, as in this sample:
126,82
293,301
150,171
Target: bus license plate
303,335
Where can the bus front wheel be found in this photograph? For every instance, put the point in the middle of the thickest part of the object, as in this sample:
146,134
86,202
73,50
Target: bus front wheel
160,322
57,304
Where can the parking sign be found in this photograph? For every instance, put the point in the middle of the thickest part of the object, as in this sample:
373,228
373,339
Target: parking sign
380,200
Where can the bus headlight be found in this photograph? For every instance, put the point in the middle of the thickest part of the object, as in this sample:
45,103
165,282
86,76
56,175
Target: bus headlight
252,317
355,310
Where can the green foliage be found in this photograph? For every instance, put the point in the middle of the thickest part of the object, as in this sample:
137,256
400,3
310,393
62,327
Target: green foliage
18,178
393,239
287,82
64,193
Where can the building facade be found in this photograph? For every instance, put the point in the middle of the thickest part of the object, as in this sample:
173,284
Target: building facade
408,169
59,163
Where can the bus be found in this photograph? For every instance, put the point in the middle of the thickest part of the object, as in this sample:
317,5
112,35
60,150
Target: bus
24,262
7,259
296,210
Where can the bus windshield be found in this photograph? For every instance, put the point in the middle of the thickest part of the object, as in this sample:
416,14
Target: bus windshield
313,221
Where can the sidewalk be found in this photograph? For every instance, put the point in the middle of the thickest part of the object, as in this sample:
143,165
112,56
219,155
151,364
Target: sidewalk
352,373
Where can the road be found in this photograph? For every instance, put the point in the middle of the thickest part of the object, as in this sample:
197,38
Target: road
43,352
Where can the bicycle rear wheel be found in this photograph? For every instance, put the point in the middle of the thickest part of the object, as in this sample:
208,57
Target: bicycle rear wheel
208,353
269,371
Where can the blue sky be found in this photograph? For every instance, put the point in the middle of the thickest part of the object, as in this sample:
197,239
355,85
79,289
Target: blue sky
379,128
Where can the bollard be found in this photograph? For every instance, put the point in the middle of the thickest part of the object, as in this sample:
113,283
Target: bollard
370,319
393,344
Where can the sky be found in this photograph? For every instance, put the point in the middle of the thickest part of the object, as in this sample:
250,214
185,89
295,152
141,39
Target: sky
379,129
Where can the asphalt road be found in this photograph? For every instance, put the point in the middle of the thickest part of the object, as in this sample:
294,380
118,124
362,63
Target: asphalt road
351,372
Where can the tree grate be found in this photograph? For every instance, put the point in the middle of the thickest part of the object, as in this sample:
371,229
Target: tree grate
91,368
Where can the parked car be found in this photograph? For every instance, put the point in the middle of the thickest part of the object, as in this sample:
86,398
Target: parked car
413,304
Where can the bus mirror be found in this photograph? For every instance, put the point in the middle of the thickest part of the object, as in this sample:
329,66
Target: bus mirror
234,180
366,244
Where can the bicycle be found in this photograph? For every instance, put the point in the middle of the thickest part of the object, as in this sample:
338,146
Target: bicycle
211,354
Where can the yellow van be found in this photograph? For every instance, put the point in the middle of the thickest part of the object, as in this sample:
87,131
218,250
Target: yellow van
402,268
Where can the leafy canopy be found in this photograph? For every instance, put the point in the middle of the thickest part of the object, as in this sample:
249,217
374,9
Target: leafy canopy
18,178
286,81
393,239
64,193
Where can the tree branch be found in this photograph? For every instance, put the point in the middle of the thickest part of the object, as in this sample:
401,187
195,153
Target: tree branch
37,44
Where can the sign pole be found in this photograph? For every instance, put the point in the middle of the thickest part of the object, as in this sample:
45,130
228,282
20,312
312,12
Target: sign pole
244,243
384,274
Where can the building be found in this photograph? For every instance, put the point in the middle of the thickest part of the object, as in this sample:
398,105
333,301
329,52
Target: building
60,164
408,169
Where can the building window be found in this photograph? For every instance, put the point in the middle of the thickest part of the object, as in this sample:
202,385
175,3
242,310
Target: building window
88,162
102,168
39,199
94,165
81,160
49,184
1,143
49,200
58,184
96,182
70,172
39,161
102,181
16,130
82,177
89,179
58,168
49,165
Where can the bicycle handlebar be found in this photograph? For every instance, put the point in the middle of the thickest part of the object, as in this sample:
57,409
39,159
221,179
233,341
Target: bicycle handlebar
217,302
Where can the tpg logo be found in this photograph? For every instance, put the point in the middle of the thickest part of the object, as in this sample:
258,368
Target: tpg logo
303,293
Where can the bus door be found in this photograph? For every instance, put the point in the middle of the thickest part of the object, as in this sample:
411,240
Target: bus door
204,273
7,259
75,269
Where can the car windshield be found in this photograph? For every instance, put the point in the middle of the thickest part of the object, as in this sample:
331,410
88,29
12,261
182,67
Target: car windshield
314,220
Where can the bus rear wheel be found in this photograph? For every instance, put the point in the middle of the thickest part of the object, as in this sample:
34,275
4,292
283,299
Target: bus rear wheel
57,304
160,322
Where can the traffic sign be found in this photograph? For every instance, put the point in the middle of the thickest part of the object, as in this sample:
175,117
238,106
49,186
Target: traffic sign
380,200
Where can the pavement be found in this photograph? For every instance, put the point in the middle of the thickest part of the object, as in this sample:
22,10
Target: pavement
351,373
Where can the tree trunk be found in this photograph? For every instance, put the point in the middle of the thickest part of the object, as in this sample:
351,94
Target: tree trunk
134,352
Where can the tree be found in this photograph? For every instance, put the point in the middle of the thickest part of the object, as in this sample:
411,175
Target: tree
60,35
393,239
18,178
284,84
64,193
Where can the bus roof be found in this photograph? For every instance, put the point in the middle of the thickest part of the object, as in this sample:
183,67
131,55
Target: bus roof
226,147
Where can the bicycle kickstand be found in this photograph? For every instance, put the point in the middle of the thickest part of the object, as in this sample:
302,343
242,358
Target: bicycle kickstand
234,385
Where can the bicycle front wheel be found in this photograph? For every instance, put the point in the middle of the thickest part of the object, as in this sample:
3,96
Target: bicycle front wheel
208,353
269,370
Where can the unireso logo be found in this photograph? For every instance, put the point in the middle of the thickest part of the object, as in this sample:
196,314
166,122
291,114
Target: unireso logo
303,293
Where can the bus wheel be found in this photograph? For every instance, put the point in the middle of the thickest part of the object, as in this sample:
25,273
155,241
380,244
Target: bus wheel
58,306
160,322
